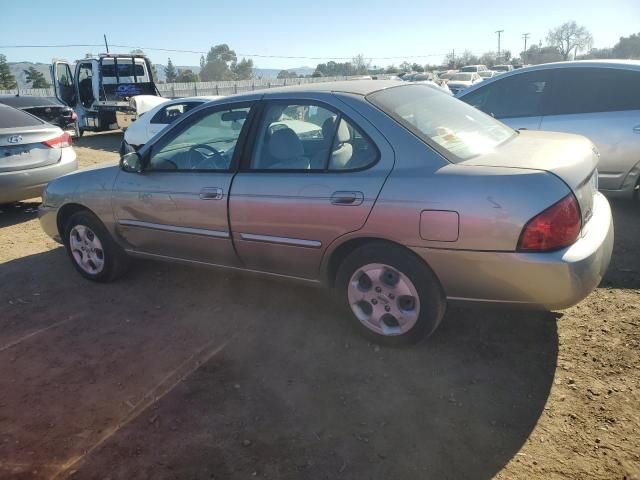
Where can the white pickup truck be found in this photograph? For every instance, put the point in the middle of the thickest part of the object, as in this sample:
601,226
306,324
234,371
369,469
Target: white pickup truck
108,91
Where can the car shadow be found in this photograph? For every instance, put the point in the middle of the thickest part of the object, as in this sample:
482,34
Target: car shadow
15,213
105,141
293,392
624,269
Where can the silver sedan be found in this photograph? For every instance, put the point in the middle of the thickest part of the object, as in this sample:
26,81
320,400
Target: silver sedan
398,197
32,153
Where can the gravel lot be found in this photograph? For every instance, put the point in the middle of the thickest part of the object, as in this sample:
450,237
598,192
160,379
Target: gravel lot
177,372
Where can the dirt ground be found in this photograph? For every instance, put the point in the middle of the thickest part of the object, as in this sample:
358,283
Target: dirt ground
183,373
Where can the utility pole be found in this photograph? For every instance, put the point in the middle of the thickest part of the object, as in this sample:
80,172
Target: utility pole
524,53
499,32
105,42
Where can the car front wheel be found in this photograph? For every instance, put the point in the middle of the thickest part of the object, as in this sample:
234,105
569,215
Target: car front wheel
393,297
91,249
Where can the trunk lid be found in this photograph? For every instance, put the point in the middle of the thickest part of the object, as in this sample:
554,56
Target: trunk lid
572,158
22,148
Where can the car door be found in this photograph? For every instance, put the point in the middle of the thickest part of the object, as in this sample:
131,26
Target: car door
62,79
177,206
313,173
516,100
167,115
602,104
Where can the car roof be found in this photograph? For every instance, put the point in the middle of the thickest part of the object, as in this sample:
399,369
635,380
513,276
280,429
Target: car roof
22,101
357,87
623,64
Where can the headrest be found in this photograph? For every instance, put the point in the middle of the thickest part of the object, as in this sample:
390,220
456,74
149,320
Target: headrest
285,144
343,134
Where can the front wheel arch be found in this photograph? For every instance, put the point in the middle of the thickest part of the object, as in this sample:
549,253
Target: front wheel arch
66,212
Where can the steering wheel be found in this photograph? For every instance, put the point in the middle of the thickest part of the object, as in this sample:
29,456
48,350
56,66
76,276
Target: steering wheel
214,161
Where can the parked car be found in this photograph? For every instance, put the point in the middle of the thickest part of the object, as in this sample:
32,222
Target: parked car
402,200
502,68
32,153
474,68
156,119
597,99
488,74
463,80
48,109
446,76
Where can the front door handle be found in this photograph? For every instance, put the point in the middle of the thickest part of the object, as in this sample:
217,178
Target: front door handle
211,193
347,198
636,129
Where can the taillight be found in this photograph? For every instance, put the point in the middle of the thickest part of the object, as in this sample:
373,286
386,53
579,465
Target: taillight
63,140
555,228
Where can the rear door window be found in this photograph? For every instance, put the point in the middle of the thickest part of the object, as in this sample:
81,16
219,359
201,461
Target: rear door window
590,90
521,95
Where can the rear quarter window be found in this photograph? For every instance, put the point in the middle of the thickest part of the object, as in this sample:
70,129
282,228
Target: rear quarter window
12,118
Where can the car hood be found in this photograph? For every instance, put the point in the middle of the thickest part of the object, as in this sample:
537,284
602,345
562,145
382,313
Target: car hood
77,186
572,158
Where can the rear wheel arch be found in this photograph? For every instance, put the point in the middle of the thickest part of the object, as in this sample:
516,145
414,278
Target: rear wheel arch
337,256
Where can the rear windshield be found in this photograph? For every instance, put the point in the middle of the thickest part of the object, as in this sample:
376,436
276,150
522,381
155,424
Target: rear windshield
124,69
452,127
10,117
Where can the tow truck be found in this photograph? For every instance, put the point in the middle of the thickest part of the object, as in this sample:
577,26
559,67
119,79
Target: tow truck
107,91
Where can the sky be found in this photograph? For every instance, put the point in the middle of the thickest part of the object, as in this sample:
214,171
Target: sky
329,29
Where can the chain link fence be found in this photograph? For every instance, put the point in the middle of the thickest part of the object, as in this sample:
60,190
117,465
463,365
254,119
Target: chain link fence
195,89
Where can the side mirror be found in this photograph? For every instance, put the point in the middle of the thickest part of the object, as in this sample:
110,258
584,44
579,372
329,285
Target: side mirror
131,162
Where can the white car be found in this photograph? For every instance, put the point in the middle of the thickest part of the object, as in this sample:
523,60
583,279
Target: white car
463,80
152,122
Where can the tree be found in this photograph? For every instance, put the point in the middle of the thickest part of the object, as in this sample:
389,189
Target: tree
392,69
405,67
417,67
185,76
627,47
569,37
360,64
488,58
7,80
36,78
286,74
217,64
537,54
170,72
242,70
334,69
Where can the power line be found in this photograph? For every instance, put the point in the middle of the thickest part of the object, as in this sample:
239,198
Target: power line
240,54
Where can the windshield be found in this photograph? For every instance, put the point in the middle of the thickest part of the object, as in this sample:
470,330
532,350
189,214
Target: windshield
501,68
454,128
469,69
464,77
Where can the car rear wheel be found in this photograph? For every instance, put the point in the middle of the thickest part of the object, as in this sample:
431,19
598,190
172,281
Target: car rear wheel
393,297
91,249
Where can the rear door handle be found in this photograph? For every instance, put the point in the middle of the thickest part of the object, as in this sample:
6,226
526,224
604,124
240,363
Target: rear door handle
211,193
347,198
636,129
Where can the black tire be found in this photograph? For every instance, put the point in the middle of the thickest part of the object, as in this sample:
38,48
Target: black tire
114,257
431,297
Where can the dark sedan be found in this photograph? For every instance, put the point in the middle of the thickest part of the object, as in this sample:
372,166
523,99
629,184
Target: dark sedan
49,109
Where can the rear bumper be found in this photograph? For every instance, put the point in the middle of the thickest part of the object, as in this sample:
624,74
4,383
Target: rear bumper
551,280
23,184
